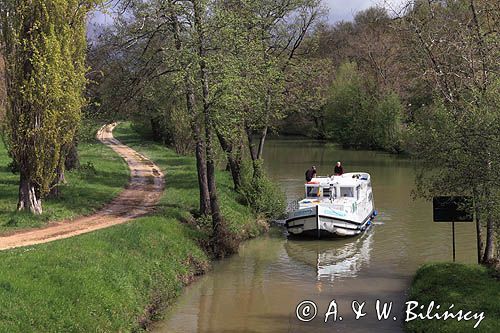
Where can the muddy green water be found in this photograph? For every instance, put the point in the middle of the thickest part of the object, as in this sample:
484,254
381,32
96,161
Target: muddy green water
259,289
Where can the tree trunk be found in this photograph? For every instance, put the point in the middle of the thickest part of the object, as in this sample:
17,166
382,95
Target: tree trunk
256,162
234,163
484,200
489,251
201,166
201,163
262,141
29,196
263,135
235,166
251,146
214,203
72,160
490,230
60,179
479,235
156,129
479,230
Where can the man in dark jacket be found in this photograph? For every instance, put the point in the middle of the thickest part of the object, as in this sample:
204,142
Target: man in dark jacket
310,173
339,170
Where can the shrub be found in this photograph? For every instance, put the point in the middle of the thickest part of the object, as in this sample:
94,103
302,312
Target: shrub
359,116
262,194
387,123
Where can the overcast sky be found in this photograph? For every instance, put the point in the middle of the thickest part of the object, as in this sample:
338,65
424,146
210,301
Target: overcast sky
339,10
344,10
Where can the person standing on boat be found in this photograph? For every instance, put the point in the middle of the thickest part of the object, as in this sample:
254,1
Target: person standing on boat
310,173
339,170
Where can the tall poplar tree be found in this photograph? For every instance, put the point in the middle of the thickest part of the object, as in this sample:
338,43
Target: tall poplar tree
44,46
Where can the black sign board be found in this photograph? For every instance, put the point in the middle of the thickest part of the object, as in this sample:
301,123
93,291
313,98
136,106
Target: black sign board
453,209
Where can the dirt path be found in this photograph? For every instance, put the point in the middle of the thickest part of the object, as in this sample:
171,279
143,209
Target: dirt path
141,195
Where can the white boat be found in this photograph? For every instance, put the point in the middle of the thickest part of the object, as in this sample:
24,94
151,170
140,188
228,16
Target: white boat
334,206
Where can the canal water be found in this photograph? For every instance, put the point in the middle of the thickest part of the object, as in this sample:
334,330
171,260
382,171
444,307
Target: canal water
259,289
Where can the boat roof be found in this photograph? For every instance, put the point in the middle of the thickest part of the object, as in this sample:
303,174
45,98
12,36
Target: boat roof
347,179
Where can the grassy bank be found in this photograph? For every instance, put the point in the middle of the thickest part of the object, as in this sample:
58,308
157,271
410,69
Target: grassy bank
469,288
102,176
116,279
182,196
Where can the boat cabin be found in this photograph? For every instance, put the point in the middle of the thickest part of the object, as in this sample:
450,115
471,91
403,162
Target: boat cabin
314,190
347,186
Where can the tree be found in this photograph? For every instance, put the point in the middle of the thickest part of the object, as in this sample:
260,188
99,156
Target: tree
227,58
373,43
44,51
308,89
357,115
2,90
282,27
348,115
457,139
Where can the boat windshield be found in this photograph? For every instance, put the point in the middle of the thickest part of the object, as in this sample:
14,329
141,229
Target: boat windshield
347,192
312,191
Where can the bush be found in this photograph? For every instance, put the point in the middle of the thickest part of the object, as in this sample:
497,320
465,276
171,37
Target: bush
171,127
357,116
262,194
386,130
88,130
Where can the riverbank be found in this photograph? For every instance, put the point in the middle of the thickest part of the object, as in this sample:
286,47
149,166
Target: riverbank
468,287
120,278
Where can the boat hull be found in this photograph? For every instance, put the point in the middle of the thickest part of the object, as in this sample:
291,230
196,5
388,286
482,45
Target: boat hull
318,222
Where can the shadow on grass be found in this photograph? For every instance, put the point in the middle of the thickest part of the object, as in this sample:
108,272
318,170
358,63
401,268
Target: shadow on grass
84,192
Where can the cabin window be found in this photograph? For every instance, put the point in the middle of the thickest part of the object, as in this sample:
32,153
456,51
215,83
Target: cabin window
358,191
330,191
347,192
312,191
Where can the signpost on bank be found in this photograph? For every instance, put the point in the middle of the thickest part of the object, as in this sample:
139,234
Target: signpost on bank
453,209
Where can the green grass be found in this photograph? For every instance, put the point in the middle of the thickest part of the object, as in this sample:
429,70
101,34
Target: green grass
99,282
114,279
182,194
85,192
468,287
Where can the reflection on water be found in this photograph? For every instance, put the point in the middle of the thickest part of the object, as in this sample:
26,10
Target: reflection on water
258,289
341,258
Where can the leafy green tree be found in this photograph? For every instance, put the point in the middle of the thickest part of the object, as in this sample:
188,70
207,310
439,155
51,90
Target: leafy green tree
356,115
44,45
387,128
2,90
308,89
227,58
347,110
457,138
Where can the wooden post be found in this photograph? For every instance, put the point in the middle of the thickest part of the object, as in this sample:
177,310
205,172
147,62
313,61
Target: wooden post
453,231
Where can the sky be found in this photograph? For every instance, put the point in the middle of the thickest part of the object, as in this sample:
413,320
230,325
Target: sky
344,10
338,10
